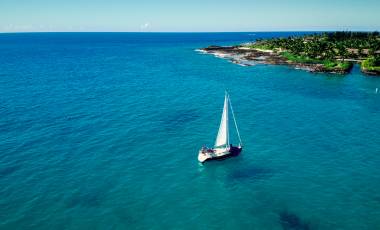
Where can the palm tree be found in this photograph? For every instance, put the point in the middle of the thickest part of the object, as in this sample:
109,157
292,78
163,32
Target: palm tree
342,51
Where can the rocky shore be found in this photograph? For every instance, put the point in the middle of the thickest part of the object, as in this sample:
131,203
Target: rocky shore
250,56
370,72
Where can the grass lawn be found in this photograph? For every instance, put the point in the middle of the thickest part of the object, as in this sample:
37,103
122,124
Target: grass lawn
299,58
262,47
328,64
371,64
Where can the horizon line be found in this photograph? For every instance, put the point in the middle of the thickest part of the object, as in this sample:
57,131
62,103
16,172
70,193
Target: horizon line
258,31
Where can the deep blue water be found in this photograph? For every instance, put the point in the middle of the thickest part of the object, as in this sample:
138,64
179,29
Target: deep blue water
102,130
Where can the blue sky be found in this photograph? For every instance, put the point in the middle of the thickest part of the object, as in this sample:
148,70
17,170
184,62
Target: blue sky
187,16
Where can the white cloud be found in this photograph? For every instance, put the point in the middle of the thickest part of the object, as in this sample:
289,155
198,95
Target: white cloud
145,26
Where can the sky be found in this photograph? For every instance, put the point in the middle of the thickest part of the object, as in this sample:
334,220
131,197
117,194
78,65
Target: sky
188,16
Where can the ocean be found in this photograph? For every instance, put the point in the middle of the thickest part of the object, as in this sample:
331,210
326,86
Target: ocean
102,131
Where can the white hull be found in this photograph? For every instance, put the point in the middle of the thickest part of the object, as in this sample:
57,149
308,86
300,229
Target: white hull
216,153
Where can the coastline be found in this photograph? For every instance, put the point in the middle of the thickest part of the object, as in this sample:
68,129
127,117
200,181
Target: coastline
333,52
250,56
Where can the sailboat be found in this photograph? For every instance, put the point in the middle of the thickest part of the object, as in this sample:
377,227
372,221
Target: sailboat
222,148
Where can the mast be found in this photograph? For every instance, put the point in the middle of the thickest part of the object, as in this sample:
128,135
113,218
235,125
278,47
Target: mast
227,121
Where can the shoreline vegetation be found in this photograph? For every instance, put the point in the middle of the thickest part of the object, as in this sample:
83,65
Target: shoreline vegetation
330,52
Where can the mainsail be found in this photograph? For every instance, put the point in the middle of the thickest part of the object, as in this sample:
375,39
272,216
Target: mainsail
223,136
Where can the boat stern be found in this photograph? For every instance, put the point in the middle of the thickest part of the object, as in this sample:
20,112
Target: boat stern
235,150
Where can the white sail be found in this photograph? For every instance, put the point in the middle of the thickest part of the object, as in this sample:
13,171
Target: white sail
223,136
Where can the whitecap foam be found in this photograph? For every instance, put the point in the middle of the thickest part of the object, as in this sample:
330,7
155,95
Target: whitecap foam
201,51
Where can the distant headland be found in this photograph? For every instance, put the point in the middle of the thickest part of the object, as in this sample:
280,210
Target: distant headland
330,52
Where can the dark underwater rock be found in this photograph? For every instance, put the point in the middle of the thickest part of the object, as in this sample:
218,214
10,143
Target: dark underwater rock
290,221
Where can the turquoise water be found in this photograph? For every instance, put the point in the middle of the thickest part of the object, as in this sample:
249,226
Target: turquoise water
102,131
